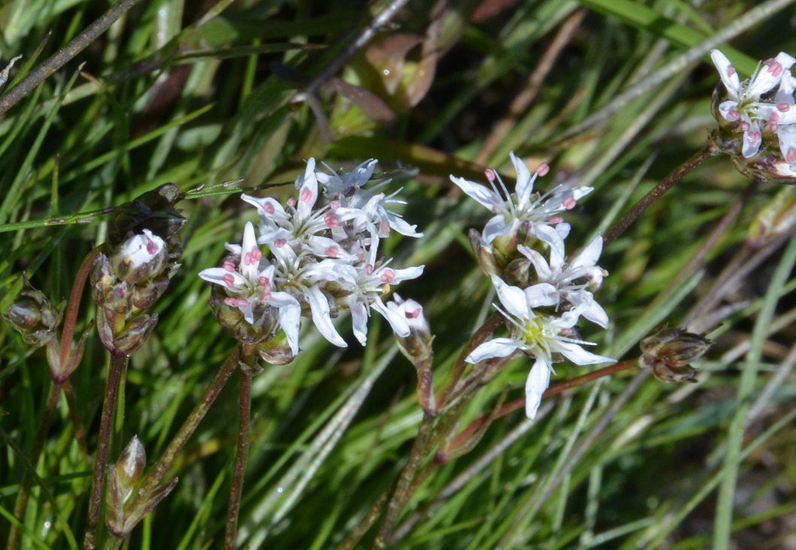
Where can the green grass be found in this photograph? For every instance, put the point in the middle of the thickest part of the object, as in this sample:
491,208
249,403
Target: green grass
210,103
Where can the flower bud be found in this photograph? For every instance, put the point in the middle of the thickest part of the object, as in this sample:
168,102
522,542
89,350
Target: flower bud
139,258
484,254
777,218
417,345
517,272
33,316
668,353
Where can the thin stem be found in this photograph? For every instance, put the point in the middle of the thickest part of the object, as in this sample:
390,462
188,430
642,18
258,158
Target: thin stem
118,365
241,456
21,503
67,53
401,494
74,415
367,521
512,406
68,332
154,477
364,37
657,192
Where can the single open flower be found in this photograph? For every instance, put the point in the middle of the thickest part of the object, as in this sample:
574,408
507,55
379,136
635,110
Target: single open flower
745,103
511,210
250,285
535,334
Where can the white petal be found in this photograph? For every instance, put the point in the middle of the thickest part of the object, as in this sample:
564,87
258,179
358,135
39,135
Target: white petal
397,321
585,303
511,297
769,75
542,294
481,194
268,208
319,307
524,181
535,385
729,110
250,254
308,193
751,141
787,142
727,72
578,355
220,276
589,255
359,319
496,227
399,225
548,235
407,273
539,263
289,317
498,347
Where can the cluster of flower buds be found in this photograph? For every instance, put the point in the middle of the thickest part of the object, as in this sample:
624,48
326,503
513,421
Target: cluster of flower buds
122,480
757,118
36,319
541,305
320,258
34,316
134,268
668,353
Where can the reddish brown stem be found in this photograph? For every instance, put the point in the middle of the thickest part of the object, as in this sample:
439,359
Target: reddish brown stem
106,420
512,406
74,415
657,192
68,332
241,456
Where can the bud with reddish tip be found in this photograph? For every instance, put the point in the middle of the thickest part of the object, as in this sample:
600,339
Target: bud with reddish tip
668,353
417,345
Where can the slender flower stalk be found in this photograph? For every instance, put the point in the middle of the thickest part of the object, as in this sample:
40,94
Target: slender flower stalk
241,457
151,482
115,374
657,192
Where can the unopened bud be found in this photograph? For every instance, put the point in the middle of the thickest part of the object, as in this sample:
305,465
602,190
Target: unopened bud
417,346
668,353
131,465
140,257
776,218
517,272
484,254
33,316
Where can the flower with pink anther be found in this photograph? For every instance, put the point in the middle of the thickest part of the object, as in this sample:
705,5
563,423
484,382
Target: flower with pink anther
537,334
364,287
745,103
251,283
512,209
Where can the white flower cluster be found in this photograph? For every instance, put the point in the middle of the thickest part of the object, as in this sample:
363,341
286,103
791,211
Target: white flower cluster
322,256
542,315
757,107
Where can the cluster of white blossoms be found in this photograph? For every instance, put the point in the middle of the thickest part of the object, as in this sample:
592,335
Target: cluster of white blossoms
763,103
528,231
320,256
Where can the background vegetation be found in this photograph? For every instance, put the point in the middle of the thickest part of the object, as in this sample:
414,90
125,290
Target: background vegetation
210,95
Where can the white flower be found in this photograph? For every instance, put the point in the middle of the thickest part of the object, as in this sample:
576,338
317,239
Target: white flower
524,205
359,204
299,225
247,286
141,256
745,104
562,275
365,285
411,311
535,334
